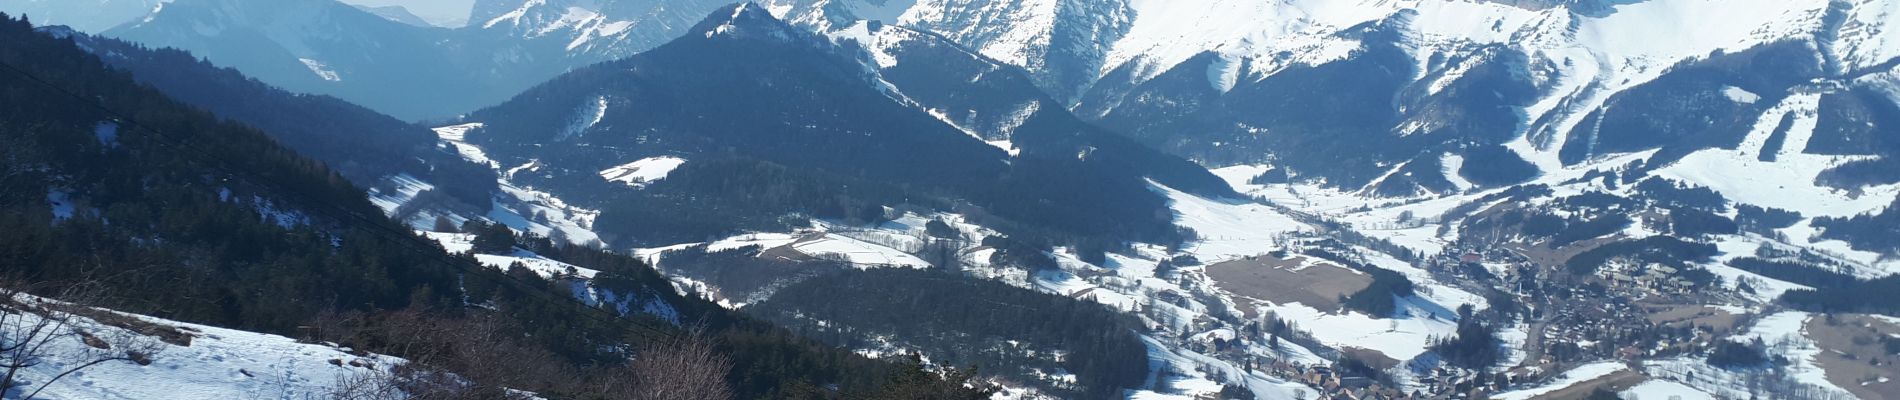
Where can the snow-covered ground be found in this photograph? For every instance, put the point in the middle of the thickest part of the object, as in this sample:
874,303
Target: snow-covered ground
1401,338
403,189
1786,332
462,242
541,213
1229,229
453,136
1664,390
1569,378
579,280
643,171
1785,335
218,363
858,252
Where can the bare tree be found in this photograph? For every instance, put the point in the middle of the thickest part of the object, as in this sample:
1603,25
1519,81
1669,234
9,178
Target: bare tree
367,385
686,367
35,330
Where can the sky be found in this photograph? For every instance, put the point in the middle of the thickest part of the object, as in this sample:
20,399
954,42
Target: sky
438,12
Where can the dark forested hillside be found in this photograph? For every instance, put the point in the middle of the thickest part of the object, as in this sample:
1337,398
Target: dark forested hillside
179,216
359,143
807,110
960,321
110,184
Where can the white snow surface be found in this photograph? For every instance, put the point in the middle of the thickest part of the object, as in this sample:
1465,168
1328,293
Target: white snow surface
578,280
218,364
454,135
406,188
463,242
1786,332
1229,228
1401,338
859,253
1658,389
1572,377
643,171
1740,95
321,70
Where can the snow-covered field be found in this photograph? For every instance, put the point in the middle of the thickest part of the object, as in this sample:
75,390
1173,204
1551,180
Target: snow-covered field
1229,228
1787,333
453,136
858,252
1664,390
1569,378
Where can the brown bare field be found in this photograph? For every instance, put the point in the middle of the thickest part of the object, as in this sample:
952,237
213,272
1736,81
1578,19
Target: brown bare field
1370,357
1678,315
1853,356
1279,281
1617,382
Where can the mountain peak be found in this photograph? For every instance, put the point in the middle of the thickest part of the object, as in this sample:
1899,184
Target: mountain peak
744,20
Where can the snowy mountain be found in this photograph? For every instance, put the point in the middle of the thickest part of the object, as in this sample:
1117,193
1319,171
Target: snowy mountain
261,273
825,110
413,71
84,15
1441,196
592,29
327,47
365,146
1403,83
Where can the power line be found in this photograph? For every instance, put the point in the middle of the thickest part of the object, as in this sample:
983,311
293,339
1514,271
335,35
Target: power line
379,224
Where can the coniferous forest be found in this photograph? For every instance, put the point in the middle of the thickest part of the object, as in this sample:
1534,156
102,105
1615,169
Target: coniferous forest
994,327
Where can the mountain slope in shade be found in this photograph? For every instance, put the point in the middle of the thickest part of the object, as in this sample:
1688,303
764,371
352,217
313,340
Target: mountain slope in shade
327,47
814,106
1001,104
396,13
403,69
367,147
85,15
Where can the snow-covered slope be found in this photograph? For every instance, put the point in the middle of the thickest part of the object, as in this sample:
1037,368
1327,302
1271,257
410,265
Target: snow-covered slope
187,361
604,30
1503,87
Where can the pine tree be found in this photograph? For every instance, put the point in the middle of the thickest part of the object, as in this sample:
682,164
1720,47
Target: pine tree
494,239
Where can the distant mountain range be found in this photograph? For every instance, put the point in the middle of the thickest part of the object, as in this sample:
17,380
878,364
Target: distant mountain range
1399,86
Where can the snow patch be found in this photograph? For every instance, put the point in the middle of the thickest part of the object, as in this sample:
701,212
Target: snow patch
62,203
642,172
322,70
456,135
107,133
861,254
1740,95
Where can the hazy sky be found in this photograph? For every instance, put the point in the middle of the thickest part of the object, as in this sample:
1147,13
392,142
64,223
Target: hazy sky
434,11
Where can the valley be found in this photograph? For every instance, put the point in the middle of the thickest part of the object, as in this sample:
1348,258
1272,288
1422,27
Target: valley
1004,199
